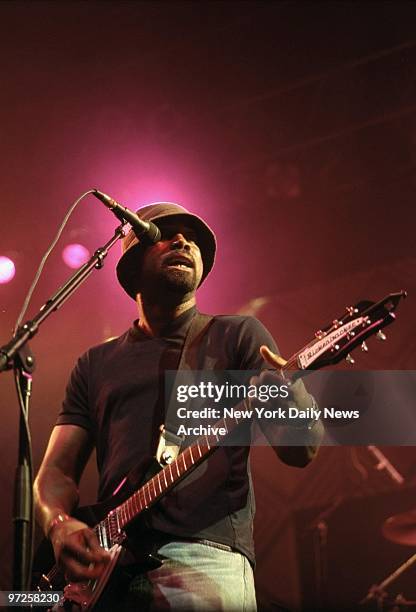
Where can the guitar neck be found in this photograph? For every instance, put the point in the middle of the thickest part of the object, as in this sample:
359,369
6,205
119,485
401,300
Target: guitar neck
155,488
171,474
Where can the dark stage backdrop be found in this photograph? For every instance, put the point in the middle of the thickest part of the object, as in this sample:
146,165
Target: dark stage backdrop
291,126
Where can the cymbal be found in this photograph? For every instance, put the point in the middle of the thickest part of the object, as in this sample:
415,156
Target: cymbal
401,528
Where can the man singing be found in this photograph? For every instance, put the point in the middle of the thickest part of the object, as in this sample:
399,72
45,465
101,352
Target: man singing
203,528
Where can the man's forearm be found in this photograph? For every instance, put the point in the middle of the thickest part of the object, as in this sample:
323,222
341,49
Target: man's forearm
54,493
296,441
299,446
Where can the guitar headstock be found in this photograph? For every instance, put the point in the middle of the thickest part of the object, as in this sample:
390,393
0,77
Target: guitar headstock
335,342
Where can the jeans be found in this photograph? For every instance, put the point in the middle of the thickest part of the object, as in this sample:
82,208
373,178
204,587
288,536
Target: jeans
193,577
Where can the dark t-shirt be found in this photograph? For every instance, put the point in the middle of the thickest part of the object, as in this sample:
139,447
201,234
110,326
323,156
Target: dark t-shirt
116,393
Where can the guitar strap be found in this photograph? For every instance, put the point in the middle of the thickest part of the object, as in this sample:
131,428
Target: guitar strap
169,443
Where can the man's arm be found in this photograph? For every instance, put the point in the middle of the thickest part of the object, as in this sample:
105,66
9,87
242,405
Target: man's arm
56,495
294,445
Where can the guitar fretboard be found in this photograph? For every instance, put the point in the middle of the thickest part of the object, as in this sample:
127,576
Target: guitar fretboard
119,518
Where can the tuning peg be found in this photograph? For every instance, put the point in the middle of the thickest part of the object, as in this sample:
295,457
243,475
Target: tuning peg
351,310
350,359
381,335
364,347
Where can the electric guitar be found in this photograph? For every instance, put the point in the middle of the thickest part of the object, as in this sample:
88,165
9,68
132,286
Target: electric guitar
111,519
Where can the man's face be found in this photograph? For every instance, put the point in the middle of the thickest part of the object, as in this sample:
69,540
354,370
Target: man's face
174,263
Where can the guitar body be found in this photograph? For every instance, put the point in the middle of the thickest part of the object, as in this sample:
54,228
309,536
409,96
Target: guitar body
84,596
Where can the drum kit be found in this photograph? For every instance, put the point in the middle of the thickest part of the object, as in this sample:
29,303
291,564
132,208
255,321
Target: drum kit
400,529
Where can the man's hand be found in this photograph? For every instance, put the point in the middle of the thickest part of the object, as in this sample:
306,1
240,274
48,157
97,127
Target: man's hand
77,551
268,377
294,446
298,393
275,360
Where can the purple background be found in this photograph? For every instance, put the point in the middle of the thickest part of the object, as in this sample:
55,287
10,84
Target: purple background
291,127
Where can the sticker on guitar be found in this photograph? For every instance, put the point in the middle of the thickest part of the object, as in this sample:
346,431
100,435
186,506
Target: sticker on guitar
312,352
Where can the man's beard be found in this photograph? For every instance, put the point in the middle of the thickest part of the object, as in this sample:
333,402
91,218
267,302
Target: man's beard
169,282
179,282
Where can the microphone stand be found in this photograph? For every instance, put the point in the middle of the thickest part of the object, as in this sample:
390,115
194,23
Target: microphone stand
385,464
16,354
320,544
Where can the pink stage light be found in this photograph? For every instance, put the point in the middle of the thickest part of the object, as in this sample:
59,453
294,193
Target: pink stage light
7,270
75,255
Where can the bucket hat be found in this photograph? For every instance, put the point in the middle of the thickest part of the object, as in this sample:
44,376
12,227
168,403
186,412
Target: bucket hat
128,267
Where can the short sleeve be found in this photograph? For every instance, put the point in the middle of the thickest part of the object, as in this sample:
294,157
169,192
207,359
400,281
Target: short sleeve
252,334
75,408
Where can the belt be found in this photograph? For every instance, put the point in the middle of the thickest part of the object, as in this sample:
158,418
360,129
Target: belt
212,544
154,539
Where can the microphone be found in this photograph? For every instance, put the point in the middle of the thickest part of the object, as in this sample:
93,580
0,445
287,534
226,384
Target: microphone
145,230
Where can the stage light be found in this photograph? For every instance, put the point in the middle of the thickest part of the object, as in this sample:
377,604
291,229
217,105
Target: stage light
75,255
7,270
